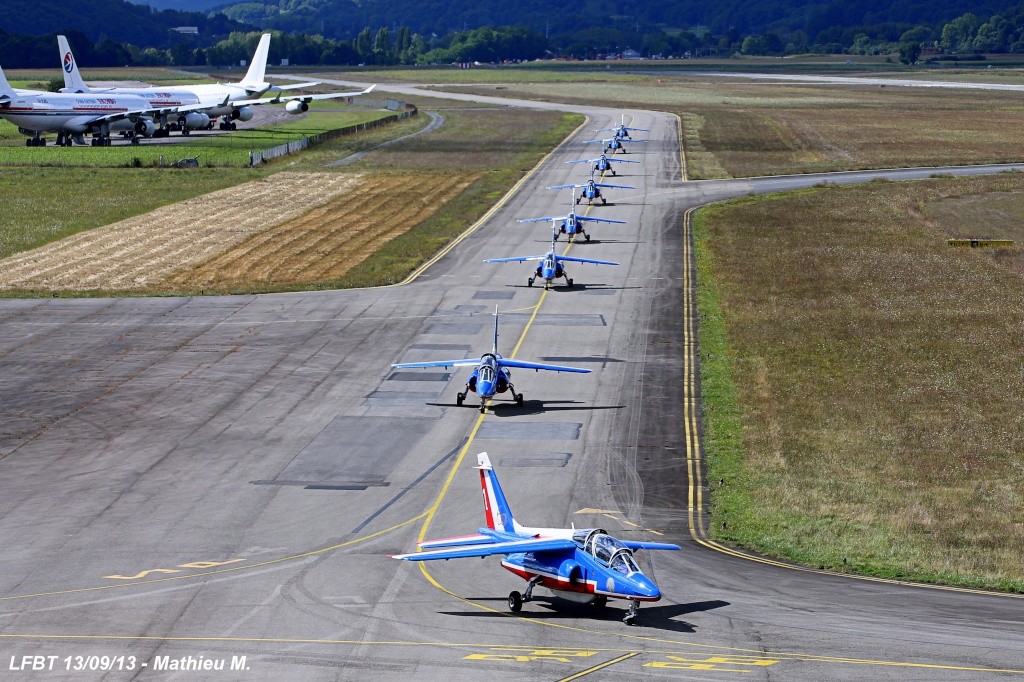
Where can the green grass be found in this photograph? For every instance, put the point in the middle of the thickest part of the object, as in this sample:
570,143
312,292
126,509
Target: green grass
228,150
861,380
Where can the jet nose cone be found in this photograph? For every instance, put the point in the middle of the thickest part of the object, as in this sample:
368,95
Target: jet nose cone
646,588
485,388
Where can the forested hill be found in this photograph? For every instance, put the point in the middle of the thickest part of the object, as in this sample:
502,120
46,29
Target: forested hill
117,20
811,18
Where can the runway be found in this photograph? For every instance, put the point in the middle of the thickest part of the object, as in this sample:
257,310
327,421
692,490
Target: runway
225,477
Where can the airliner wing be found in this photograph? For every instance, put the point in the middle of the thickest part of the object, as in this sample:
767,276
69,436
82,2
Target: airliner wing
465,362
522,364
513,547
302,98
294,86
587,260
515,259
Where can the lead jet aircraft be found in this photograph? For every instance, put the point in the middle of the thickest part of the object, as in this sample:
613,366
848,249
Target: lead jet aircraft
231,101
571,223
491,374
603,164
72,115
550,267
585,564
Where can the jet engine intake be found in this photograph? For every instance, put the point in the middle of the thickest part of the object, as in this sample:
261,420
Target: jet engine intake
296,106
145,127
242,114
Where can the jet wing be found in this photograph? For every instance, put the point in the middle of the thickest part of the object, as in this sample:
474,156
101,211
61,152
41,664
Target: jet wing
649,545
465,362
616,159
522,364
605,184
512,547
587,260
588,219
545,218
515,259
457,542
302,98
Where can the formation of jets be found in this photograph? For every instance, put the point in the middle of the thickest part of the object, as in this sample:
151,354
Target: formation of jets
79,110
588,564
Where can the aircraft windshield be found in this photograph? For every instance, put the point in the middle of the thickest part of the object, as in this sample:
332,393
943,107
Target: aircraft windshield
488,369
622,561
549,263
598,543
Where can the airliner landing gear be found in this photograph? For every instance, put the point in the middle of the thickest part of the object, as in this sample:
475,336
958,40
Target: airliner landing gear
515,602
630,617
35,141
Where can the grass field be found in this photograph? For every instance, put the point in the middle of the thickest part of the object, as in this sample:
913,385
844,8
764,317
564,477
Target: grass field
862,380
753,129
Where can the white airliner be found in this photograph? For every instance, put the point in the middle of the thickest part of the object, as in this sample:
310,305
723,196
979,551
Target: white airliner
198,104
72,115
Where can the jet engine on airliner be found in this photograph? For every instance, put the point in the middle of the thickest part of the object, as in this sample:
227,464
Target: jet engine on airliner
296,107
194,120
145,127
242,114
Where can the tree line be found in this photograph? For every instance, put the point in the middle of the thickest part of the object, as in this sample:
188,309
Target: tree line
965,35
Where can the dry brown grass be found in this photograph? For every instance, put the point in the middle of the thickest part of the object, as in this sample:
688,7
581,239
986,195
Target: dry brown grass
289,229
879,377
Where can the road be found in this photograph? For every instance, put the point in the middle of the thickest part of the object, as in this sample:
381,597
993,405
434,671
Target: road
225,477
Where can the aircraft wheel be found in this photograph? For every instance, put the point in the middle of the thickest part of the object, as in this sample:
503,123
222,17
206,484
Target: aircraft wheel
483,408
613,173
515,602
234,126
603,202
529,282
519,399
600,601
135,139
185,131
459,397
587,237
570,284
629,619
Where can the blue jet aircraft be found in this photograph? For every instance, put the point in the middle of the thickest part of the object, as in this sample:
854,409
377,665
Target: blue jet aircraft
491,374
584,564
603,164
622,130
571,224
613,143
591,190
550,267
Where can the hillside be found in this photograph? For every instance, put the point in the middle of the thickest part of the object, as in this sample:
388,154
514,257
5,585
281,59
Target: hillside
119,20
345,18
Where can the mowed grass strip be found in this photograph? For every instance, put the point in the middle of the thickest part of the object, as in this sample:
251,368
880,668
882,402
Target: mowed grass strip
862,380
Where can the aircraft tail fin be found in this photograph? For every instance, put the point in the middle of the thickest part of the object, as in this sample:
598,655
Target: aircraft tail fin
494,348
254,77
496,509
6,91
73,81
